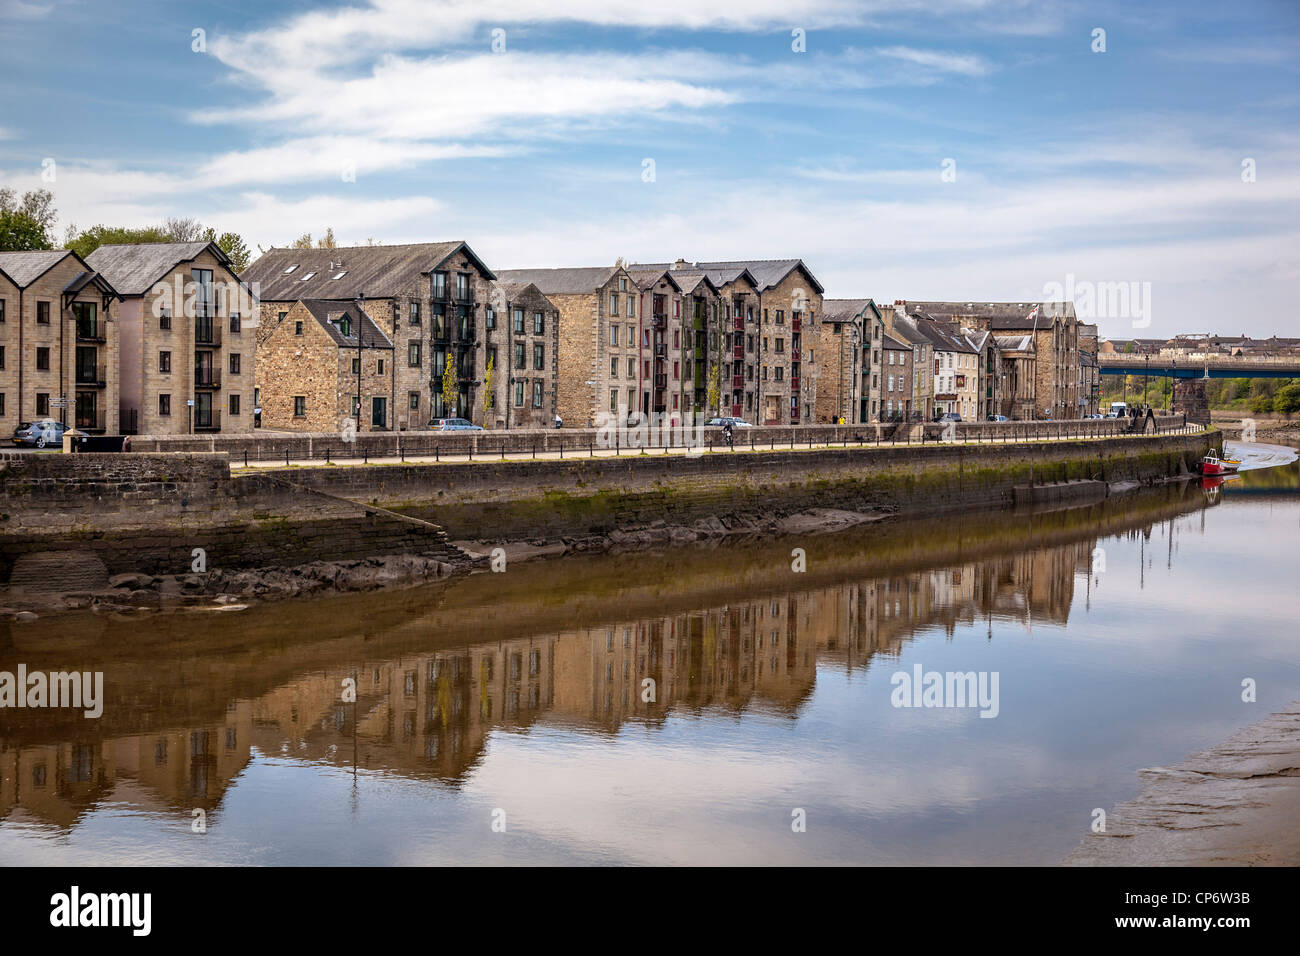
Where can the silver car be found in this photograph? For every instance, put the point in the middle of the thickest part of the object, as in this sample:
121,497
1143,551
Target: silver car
40,434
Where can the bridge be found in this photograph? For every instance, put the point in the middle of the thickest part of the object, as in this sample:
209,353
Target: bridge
1188,367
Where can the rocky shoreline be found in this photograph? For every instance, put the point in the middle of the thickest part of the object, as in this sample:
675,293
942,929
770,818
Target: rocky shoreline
1235,804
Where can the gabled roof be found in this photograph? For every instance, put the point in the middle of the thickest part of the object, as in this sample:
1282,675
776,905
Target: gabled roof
944,337
134,268
689,282
649,278
513,291
344,272
328,312
895,344
844,310
580,281
24,268
765,273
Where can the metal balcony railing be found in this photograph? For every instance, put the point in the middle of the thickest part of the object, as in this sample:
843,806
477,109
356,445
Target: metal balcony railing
91,332
207,420
207,377
92,375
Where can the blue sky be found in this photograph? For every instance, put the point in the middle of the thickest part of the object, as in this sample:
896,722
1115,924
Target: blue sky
1115,166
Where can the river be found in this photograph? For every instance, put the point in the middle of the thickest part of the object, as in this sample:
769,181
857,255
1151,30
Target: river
690,706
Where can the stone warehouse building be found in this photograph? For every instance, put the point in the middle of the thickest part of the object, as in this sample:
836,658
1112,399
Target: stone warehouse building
849,347
429,299
59,341
599,356
770,312
187,342
895,380
330,363
521,368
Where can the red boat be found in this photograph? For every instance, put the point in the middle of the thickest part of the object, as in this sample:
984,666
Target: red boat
1213,465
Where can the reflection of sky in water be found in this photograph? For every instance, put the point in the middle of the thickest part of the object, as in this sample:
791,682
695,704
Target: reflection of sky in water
1150,673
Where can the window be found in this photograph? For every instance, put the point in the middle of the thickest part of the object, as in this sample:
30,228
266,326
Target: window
780,343
42,359
2,310
300,406
462,285
677,338
2,403
613,304
780,318
42,313
631,368
307,276
43,404
440,285
290,269
539,357
164,404
676,369
518,319
539,323
234,322
356,366
490,317
379,366
297,328
413,354
631,307
281,317
234,404
164,362
613,366
2,356
613,399
415,312
235,362
519,393
537,394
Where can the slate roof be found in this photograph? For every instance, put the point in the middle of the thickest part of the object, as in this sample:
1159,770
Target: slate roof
1003,315
945,338
648,278
765,272
378,271
329,311
24,268
895,344
582,281
843,310
1014,343
134,268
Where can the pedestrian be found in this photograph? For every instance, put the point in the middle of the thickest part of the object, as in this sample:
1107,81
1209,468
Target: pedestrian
1151,417
559,422
126,443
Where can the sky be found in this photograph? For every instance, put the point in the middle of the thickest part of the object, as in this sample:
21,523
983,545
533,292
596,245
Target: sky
968,150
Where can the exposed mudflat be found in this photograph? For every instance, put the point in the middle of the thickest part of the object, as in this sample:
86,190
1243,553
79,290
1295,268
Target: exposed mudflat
1235,804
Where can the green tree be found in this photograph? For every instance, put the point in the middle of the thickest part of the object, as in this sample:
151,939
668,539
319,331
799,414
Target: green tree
489,400
1287,399
448,386
714,394
84,243
233,245
1261,404
27,222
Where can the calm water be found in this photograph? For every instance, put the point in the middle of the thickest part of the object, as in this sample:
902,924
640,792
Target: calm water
519,696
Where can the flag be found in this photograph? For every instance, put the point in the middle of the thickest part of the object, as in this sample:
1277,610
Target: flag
1032,315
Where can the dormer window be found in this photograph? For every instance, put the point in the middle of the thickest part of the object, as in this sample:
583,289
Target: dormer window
345,327
290,269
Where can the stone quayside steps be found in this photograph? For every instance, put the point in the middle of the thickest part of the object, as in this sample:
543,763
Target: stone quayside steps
148,511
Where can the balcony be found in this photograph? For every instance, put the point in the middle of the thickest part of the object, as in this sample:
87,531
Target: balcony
660,321
207,420
207,331
206,377
794,355
438,332
739,323
738,352
94,420
92,332
465,332
796,324
661,381
661,350
737,381
96,375
794,383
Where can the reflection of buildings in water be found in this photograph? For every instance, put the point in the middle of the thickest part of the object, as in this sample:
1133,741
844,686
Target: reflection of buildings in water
430,715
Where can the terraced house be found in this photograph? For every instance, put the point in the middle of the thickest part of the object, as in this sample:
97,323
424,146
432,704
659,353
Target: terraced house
770,307
429,299
521,364
186,362
599,346
59,342
848,386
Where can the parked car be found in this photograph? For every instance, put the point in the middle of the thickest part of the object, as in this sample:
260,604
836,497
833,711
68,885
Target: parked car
458,425
950,417
40,434
735,422
999,418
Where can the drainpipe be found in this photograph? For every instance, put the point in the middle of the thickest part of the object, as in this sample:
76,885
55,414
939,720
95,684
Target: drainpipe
21,322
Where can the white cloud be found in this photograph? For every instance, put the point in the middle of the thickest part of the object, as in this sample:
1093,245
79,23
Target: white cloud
939,61
24,10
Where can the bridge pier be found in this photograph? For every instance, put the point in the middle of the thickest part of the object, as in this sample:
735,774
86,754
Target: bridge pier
1189,399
